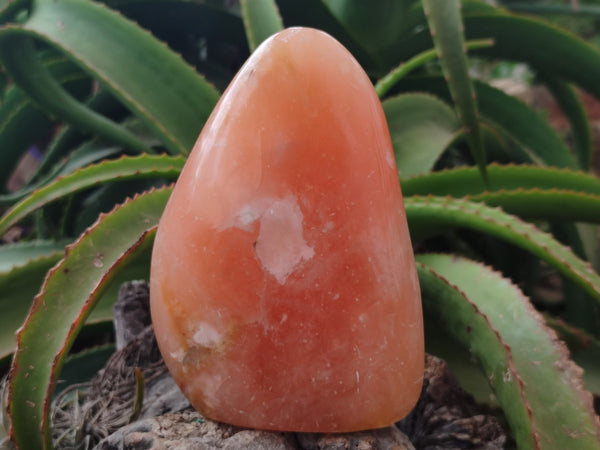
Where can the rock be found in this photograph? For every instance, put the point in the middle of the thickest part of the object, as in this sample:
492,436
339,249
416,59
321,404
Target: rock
445,416
284,292
131,312
188,430
390,438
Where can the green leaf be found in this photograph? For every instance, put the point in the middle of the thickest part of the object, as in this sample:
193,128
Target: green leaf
140,167
20,280
261,20
10,9
213,20
509,115
89,153
421,127
529,369
22,123
82,366
20,59
580,310
551,204
69,139
20,253
151,80
544,47
458,358
545,8
70,291
315,14
446,28
585,351
568,100
464,181
434,215
387,82
218,45
376,25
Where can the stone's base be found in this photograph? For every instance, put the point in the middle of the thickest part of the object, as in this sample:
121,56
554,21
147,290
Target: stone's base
445,416
188,430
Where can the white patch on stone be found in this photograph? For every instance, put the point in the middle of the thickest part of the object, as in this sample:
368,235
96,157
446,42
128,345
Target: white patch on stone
206,335
390,160
208,385
178,355
280,245
247,216
327,227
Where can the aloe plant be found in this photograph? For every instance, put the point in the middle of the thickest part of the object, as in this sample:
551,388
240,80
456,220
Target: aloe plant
114,95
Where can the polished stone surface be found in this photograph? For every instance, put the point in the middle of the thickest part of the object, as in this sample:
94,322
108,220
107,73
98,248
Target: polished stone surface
284,293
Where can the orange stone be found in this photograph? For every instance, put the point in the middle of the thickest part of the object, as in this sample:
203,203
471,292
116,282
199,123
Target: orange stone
284,293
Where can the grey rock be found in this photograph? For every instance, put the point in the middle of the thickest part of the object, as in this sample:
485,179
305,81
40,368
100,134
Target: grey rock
163,396
445,417
188,430
131,311
390,438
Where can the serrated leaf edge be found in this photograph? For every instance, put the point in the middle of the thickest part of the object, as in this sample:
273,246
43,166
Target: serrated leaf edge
476,209
38,303
509,352
575,371
5,223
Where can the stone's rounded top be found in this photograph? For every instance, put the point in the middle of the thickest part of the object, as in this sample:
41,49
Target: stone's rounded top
284,292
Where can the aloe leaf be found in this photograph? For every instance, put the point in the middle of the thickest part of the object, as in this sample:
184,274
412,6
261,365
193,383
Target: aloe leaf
10,8
551,204
580,310
20,59
375,25
143,166
155,83
316,14
544,8
386,83
20,281
585,351
67,139
421,127
20,253
261,20
527,366
218,25
70,291
89,153
71,150
511,116
464,181
432,215
22,123
544,47
568,100
459,360
214,20
82,366
446,28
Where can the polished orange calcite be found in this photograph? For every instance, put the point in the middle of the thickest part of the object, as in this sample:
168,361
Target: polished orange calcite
284,293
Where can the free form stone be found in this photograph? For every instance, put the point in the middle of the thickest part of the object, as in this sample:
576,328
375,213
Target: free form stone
284,293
